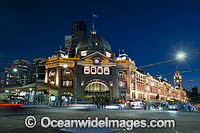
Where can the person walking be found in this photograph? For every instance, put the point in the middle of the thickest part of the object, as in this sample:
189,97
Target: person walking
198,108
189,108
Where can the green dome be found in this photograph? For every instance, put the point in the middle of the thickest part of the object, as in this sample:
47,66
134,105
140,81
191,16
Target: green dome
94,43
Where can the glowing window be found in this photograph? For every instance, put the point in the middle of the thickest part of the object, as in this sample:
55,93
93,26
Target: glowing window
96,86
52,82
106,71
52,73
108,54
100,70
67,83
86,70
93,70
83,53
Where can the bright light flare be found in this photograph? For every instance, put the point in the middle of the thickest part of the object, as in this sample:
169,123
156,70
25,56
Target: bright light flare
180,56
65,66
152,83
15,70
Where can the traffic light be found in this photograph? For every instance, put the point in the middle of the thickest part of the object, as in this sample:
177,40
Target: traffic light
46,91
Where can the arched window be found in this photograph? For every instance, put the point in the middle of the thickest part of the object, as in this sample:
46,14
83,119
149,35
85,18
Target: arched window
52,73
96,86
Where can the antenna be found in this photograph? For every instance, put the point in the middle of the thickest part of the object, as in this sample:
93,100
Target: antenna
93,31
176,67
93,21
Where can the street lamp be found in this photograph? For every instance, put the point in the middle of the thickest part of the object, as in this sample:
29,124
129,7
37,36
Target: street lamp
152,83
180,55
15,70
65,66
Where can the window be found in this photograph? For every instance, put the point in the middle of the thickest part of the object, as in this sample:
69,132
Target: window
67,83
96,86
86,70
93,70
100,70
108,54
106,71
83,53
67,73
122,84
52,82
133,86
52,73
96,70
121,74
133,94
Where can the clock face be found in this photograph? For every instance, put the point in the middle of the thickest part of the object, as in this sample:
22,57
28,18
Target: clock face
96,61
177,81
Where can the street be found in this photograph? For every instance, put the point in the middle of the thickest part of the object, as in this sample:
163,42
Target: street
13,120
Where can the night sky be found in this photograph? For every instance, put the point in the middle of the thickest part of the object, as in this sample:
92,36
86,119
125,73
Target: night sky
148,31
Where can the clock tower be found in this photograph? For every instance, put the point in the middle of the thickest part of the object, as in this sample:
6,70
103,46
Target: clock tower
178,80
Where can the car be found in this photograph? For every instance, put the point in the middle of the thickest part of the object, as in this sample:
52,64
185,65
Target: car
136,105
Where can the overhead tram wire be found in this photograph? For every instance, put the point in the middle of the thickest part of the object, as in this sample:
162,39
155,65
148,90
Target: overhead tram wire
157,63
170,60
193,70
192,80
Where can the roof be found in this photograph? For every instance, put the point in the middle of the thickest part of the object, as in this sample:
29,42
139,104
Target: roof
40,86
94,43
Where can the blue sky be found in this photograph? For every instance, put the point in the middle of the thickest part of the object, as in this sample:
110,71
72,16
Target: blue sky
148,31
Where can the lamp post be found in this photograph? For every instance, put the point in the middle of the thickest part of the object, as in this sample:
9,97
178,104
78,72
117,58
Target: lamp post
180,55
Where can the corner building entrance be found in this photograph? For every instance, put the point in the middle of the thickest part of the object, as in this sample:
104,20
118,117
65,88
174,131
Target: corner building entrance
97,91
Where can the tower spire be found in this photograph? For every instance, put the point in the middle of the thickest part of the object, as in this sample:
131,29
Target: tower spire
93,31
93,23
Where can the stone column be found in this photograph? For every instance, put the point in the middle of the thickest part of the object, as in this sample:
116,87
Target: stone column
57,77
46,75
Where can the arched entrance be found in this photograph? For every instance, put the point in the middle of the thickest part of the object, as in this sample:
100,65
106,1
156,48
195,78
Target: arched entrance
97,92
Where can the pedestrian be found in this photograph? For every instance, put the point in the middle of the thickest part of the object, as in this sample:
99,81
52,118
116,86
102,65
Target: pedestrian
189,108
198,108
145,106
